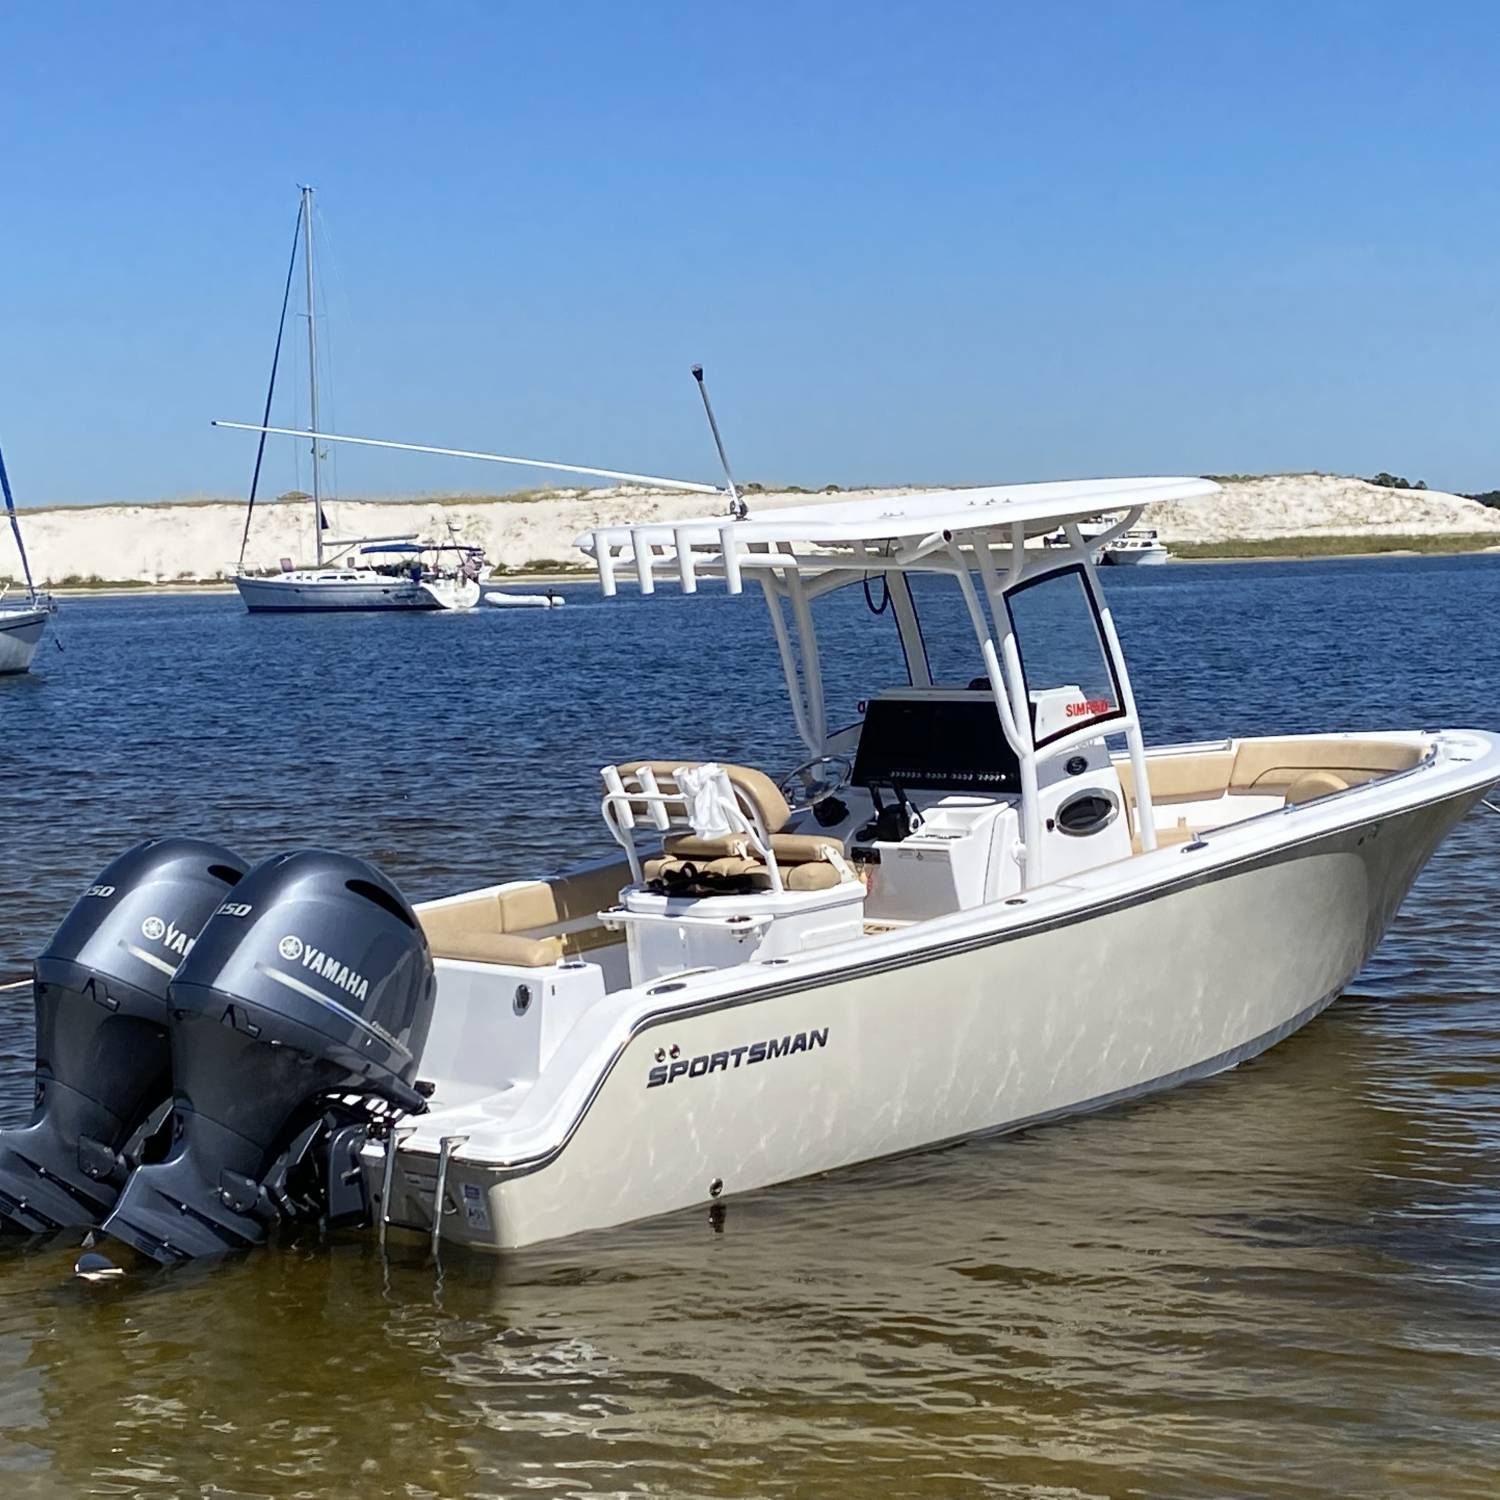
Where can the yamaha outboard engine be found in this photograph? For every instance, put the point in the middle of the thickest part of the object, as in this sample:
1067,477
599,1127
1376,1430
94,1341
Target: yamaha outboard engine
299,1016
103,1082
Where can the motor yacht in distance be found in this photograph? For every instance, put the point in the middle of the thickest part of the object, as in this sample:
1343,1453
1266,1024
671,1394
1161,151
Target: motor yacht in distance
23,620
1138,547
984,904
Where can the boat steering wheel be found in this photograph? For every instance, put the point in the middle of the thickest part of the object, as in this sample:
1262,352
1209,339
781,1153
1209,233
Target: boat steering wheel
815,781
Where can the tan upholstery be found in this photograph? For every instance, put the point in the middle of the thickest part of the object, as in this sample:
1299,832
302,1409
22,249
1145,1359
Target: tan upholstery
1266,766
789,848
1300,769
1261,764
807,861
1182,778
755,789
816,876
503,948
522,924
805,848
690,846
1313,784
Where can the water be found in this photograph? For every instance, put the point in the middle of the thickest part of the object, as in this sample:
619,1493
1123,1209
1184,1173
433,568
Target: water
1281,1282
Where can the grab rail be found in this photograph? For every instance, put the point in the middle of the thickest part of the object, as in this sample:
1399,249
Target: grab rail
620,803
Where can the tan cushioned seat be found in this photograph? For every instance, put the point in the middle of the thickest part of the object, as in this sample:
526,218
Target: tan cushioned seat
807,861
1182,778
1261,765
1266,763
472,928
502,948
819,876
754,787
789,848
1313,784
543,903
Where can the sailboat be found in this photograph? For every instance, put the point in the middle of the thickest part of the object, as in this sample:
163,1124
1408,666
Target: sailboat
342,576
23,620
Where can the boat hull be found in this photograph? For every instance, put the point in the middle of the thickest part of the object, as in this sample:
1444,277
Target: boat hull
21,631
452,593
1136,557
288,596
981,1032
499,600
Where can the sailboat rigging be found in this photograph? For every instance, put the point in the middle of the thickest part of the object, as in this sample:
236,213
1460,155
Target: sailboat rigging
344,575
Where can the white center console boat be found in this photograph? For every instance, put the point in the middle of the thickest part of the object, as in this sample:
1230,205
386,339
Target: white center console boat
984,904
967,913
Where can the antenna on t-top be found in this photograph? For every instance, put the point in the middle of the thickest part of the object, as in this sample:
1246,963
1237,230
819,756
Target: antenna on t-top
737,507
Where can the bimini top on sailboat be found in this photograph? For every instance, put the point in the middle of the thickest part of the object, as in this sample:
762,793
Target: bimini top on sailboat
340,579
22,620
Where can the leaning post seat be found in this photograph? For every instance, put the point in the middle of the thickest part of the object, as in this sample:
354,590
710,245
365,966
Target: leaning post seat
756,853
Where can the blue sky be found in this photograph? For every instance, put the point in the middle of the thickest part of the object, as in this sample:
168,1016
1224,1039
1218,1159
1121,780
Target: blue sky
925,242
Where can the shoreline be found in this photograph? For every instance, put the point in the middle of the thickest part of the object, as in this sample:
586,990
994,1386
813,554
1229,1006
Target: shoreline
1385,552
552,579
215,587
188,548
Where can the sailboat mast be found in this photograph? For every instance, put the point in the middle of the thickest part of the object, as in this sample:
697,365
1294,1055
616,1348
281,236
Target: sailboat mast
312,369
15,526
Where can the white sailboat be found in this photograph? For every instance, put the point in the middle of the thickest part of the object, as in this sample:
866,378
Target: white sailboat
23,620
343,576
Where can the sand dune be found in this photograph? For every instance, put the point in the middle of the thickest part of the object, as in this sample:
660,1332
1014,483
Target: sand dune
1318,505
167,542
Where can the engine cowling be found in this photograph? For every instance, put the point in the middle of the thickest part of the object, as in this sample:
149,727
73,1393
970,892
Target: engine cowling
103,1061
311,994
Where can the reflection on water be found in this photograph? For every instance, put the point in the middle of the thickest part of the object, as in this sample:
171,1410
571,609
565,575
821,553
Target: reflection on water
1284,1281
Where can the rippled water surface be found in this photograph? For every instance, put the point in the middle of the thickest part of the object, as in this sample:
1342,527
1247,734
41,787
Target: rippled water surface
1284,1281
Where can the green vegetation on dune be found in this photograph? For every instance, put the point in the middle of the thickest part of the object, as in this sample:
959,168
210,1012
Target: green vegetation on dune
545,566
1336,546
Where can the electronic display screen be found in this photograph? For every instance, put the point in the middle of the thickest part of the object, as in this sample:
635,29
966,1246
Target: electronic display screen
937,745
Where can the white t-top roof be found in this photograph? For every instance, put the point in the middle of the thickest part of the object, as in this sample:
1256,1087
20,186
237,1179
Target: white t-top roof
1038,507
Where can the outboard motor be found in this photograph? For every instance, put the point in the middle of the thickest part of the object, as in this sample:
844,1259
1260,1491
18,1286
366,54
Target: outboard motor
299,1017
103,1084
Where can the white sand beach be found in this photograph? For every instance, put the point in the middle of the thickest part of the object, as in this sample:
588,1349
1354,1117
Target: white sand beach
170,542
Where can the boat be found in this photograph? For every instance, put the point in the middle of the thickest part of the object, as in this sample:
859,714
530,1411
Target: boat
502,600
343,576
448,572
1091,528
23,620
1138,547
983,905
22,625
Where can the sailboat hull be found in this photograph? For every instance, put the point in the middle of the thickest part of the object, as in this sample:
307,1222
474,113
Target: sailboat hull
323,591
20,632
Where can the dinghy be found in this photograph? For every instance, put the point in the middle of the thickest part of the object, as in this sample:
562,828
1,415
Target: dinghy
502,600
